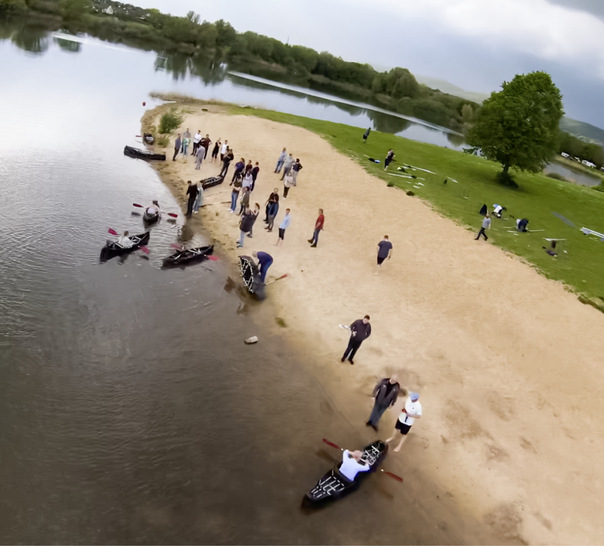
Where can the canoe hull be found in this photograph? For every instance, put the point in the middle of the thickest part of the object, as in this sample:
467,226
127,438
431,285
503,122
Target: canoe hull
190,256
137,153
211,182
112,249
251,277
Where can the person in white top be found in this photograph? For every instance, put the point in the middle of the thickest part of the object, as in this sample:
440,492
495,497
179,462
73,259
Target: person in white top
352,464
410,412
124,241
153,209
196,141
223,150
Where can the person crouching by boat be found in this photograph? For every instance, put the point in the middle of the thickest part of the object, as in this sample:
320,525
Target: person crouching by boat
124,240
265,260
352,464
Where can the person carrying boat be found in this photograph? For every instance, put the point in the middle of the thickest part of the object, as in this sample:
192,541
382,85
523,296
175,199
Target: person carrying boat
352,464
124,240
153,209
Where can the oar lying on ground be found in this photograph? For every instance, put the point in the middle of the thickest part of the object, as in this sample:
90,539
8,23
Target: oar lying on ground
143,248
277,279
171,214
393,476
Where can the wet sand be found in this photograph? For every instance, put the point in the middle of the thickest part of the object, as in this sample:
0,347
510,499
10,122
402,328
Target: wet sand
507,362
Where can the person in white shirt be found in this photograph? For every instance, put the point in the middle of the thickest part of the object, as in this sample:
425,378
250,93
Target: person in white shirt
410,412
153,209
223,150
124,241
352,464
196,141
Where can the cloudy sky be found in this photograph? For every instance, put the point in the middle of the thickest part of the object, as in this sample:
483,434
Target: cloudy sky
474,44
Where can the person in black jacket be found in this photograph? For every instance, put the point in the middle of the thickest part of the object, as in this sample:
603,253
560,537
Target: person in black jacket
360,330
385,394
192,192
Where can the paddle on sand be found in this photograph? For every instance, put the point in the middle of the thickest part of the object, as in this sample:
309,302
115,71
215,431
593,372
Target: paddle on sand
143,248
390,474
344,326
171,214
277,279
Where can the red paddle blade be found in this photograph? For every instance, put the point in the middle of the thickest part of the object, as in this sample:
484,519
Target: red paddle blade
137,205
176,245
213,258
144,249
393,476
331,444
112,231
172,215
282,276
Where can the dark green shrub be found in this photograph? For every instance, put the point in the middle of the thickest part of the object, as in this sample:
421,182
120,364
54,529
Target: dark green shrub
169,121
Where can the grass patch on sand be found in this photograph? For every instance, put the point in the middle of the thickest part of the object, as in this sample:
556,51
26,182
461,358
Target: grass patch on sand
471,183
280,322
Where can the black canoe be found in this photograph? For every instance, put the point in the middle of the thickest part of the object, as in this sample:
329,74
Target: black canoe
192,255
251,277
148,138
333,485
150,218
142,154
112,249
211,182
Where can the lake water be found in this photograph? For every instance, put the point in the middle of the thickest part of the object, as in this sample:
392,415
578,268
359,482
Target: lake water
130,409
572,176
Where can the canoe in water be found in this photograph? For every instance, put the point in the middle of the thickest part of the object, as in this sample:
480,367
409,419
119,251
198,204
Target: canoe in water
188,256
113,249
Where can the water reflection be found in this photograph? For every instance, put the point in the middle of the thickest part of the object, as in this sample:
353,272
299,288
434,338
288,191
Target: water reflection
67,45
28,37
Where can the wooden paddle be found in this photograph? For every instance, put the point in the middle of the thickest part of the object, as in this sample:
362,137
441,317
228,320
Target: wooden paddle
277,279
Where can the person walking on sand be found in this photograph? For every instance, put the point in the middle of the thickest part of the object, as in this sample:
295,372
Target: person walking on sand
199,155
410,412
389,158
245,225
177,145
226,161
486,224
192,192
385,395
320,222
199,199
265,260
283,226
280,160
215,150
274,196
287,165
384,251
360,330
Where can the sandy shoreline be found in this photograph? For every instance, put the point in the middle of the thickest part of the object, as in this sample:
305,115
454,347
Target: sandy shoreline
508,362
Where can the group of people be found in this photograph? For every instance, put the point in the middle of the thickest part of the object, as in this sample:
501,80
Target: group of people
201,145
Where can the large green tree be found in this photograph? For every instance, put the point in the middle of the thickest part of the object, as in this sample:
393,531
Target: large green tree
518,126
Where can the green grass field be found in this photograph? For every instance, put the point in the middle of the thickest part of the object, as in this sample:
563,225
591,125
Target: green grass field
580,261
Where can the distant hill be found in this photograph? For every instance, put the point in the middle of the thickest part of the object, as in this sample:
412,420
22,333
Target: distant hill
580,129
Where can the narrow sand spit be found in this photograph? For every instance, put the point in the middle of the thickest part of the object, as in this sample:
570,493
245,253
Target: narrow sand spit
508,363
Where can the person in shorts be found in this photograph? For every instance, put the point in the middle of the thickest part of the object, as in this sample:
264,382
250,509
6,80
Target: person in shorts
384,251
283,226
410,412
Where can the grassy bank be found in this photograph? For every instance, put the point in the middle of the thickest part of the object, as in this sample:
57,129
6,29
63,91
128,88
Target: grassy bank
580,263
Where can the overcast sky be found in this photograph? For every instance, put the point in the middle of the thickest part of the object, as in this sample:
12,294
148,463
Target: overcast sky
474,44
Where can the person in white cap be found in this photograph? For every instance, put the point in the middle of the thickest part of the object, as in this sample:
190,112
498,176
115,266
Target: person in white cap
410,412
352,464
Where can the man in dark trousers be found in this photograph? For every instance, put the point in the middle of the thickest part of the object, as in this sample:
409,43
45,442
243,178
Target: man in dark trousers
265,260
177,146
385,394
320,222
360,330
192,192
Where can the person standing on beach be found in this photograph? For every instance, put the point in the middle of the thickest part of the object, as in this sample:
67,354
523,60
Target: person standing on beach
235,193
384,251
360,330
486,224
287,165
385,394
248,181
245,225
389,158
196,141
215,150
318,227
226,161
273,209
199,155
280,161
205,142
274,196
288,182
283,226
224,149
192,192
177,146
265,260
296,168
239,166
245,200
255,172
256,213
411,412
186,139
199,199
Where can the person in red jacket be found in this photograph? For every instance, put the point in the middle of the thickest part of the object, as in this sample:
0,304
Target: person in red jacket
318,227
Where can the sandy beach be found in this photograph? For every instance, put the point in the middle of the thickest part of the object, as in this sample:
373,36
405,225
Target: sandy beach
508,363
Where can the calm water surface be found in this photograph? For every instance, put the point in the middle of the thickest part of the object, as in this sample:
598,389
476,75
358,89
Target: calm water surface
130,409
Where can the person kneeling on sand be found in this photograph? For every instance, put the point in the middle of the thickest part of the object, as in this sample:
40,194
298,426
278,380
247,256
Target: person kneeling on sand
411,412
352,464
